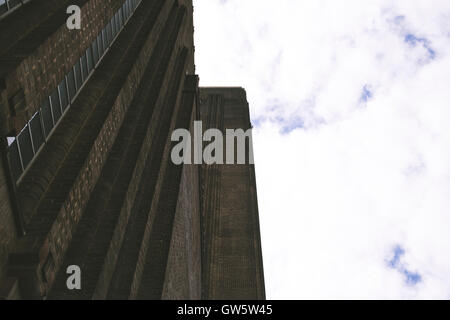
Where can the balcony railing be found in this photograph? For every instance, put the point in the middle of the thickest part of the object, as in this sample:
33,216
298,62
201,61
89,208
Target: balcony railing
7,6
29,142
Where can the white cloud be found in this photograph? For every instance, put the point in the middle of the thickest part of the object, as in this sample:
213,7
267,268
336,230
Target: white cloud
342,182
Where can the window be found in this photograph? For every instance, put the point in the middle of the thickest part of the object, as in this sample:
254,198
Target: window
62,87
109,32
105,40
71,84
37,132
78,78
94,50
90,60
47,117
26,148
101,48
84,66
113,26
121,16
125,10
116,18
56,106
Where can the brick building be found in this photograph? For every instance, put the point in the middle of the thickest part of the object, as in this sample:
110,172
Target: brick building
86,178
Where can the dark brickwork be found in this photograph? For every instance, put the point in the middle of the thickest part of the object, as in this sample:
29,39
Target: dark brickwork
8,231
9,220
103,192
63,200
48,46
174,272
232,246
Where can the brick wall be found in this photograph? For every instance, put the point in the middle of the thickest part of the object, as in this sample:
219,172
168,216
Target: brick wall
107,270
164,215
7,225
61,150
47,59
108,239
232,262
183,271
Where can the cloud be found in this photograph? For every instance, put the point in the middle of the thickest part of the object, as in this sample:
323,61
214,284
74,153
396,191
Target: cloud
350,104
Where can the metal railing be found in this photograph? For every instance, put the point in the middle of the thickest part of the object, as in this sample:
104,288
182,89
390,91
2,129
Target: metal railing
29,142
8,6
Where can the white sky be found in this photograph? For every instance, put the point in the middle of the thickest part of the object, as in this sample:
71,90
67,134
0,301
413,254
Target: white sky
351,105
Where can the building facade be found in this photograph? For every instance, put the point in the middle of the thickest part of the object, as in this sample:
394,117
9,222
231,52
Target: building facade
86,177
232,259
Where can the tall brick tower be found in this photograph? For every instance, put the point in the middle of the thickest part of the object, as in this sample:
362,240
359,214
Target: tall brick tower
86,177
232,261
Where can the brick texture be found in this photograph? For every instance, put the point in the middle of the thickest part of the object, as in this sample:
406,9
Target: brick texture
103,192
183,271
8,234
232,261
49,47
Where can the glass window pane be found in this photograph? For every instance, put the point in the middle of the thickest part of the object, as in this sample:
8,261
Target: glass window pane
90,60
37,132
14,160
94,50
121,17
105,40
63,94
125,14
47,117
71,84
117,22
78,78
84,67
56,107
26,149
101,49
113,26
